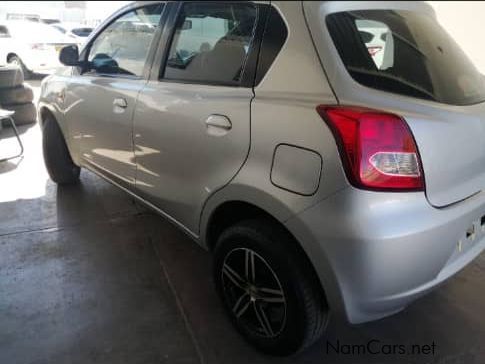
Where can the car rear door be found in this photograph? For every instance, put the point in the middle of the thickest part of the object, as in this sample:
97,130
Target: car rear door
192,119
100,98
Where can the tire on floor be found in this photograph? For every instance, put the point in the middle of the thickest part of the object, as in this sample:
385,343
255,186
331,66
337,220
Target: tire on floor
16,95
24,114
57,158
282,309
11,76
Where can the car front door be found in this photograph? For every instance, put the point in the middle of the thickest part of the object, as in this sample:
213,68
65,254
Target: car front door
192,122
101,96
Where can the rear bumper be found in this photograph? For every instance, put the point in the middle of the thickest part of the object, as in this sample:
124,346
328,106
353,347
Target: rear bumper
377,252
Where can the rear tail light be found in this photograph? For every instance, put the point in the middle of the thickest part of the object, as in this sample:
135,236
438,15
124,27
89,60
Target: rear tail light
377,149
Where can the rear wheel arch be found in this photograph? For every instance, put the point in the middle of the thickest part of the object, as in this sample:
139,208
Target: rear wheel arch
295,282
57,157
230,213
45,113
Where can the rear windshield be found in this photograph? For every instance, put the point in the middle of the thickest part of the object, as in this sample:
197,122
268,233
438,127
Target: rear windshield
407,53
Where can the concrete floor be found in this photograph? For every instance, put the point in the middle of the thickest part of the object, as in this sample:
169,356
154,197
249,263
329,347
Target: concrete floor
88,276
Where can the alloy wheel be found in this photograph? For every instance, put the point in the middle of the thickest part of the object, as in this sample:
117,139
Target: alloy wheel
253,293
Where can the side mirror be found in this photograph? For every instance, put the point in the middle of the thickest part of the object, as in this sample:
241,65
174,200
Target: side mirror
69,56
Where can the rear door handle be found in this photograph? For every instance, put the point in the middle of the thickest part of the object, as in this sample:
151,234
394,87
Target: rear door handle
120,102
119,105
218,124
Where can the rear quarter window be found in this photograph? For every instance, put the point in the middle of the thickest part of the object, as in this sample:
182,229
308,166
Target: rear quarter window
406,53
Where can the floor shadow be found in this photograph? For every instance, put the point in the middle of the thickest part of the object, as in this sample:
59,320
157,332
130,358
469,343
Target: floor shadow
79,282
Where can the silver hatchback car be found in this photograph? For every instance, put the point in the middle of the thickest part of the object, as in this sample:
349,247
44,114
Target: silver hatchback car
329,154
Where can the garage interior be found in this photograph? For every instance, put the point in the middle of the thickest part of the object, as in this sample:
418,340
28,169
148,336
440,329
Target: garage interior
89,276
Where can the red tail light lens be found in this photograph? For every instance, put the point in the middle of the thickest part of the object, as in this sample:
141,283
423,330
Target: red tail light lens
377,149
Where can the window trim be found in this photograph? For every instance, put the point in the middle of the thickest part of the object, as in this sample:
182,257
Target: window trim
272,42
151,51
248,74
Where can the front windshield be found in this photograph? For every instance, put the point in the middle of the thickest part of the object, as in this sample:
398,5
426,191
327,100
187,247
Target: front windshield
407,53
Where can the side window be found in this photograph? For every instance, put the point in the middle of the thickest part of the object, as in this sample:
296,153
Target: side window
275,35
122,48
211,42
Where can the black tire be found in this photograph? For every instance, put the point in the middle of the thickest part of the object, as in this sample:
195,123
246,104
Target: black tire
24,114
16,95
16,61
57,158
11,76
295,313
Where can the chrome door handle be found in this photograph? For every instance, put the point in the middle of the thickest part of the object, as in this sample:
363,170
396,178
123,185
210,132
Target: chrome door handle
218,121
218,125
120,102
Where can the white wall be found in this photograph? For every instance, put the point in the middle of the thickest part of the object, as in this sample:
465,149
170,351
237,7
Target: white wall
465,22
91,12
100,10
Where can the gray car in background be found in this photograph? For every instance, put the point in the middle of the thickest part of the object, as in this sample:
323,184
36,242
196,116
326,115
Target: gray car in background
329,154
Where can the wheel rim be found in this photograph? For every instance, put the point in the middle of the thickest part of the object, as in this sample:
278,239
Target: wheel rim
15,61
253,293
